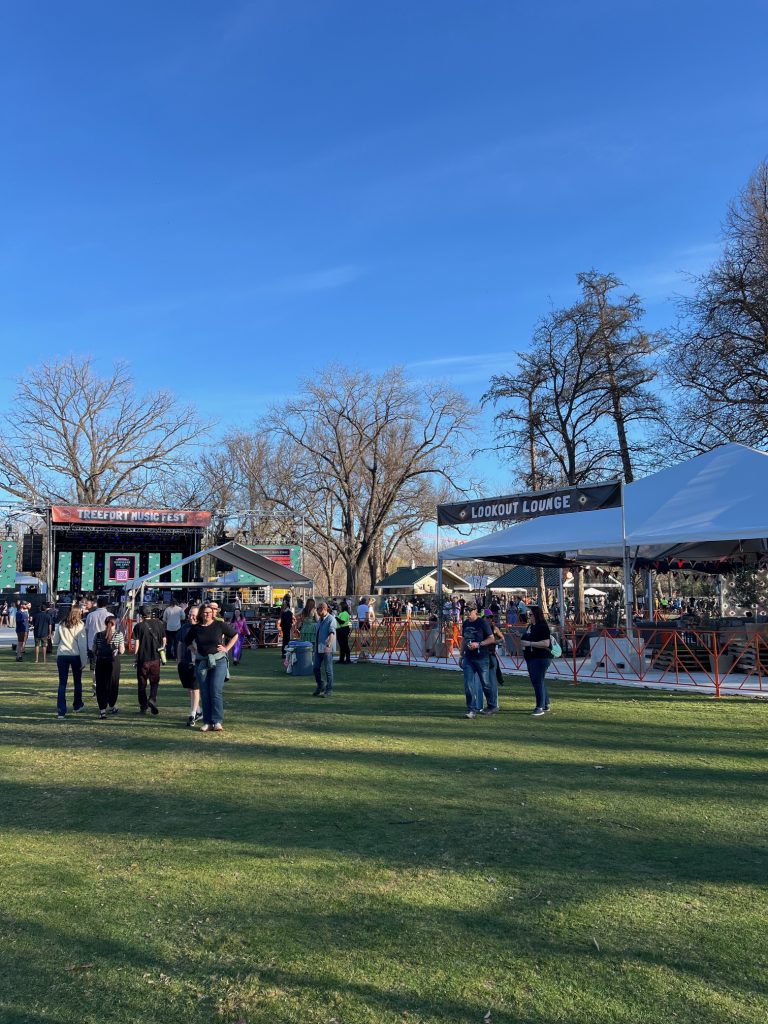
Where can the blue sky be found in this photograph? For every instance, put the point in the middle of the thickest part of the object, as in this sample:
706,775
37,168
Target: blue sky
265,187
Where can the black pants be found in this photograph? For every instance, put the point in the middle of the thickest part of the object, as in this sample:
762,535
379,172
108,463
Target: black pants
171,636
107,683
286,638
147,672
342,635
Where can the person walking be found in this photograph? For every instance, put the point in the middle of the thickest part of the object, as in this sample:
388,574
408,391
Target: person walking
494,664
71,653
343,627
173,616
286,623
185,666
477,637
22,629
149,638
108,645
241,628
325,644
42,625
536,644
214,639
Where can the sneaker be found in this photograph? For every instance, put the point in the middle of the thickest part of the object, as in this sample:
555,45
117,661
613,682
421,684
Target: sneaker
205,728
81,708
198,715
326,693
114,711
154,708
191,722
471,714
103,715
539,712
546,707
490,711
19,657
218,727
318,692
142,711
61,717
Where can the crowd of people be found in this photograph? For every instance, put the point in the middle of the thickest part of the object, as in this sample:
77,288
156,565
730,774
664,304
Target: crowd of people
204,644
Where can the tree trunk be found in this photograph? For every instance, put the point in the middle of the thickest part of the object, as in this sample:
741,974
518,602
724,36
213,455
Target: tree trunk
543,602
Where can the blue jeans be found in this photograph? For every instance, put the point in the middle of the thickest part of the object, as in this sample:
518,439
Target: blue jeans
537,669
210,682
323,661
476,682
65,662
490,683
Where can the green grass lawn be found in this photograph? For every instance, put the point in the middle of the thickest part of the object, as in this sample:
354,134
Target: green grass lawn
378,858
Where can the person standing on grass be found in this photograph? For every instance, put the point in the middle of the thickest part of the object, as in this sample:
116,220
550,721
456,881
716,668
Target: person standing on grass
42,624
108,645
173,616
214,639
536,643
325,644
477,638
286,623
72,653
343,627
149,638
185,666
22,629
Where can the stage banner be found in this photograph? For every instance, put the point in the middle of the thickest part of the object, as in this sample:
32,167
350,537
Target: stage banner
64,571
288,555
8,552
130,516
153,563
514,507
177,575
87,570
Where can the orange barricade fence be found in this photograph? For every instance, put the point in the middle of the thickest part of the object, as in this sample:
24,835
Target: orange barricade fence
703,660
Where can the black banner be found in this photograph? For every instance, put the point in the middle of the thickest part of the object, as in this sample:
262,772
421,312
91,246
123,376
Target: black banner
528,506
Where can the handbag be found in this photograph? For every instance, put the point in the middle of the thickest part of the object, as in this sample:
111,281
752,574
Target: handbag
555,648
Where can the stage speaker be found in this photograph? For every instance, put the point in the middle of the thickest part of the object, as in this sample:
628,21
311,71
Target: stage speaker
32,552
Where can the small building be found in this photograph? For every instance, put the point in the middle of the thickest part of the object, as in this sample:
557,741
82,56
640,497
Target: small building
420,579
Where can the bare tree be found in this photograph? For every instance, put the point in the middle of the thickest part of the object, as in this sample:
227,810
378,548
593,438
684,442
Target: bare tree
77,436
718,366
359,448
624,354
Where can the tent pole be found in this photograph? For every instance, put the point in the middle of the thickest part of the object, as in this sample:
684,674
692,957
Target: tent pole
439,578
627,568
561,598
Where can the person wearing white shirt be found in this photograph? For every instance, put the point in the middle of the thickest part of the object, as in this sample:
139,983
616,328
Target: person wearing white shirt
173,616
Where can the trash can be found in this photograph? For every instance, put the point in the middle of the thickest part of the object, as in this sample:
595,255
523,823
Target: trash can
302,658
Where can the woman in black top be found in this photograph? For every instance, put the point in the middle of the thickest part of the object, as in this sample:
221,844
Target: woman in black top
536,644
215,638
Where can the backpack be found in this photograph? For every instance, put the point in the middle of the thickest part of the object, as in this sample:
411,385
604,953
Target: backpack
102,648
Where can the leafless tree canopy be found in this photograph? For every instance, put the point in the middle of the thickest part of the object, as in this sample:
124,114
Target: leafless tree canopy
566,414
362,457
719,364
77,436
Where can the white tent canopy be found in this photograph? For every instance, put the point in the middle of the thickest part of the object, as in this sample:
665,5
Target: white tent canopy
711,508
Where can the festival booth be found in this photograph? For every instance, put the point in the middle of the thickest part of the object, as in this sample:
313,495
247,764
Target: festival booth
704,515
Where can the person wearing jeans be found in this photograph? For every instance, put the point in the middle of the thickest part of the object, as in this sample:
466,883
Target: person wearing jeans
325,644
536,643
72,654
477,638
214,638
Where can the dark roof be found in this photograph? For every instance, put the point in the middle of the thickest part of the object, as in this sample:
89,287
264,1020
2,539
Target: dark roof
405,578
526,576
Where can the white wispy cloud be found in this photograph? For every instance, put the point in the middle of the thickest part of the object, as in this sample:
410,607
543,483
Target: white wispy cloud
317,280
